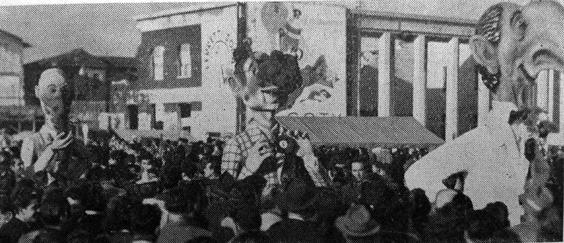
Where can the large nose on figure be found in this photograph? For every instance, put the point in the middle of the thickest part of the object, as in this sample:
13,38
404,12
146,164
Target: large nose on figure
544,36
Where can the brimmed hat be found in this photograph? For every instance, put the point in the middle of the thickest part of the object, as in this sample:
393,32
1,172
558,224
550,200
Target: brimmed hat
297,195
357,222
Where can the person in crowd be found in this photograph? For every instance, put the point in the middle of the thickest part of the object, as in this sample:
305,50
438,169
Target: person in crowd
53,213
298,199
421,207
449,220
180,208
357,225
351,190
481,226
144,220
117,220
25,201
245,223
6,210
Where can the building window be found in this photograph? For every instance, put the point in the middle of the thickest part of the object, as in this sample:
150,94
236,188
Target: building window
185,61
158,63
185,110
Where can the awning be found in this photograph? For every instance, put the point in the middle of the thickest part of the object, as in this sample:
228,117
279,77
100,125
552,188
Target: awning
129,134
363,131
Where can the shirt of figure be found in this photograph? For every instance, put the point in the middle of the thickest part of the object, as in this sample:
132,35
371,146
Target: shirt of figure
34,145
490,154
236,152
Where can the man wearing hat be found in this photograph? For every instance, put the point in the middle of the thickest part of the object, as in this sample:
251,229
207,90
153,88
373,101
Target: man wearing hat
298,198
52,148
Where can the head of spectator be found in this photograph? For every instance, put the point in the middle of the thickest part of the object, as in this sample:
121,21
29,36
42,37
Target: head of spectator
117,215
299,197
247,219
252,237
7,180
25,199
379,169
357,223
358,170
384,203
212,170
177,205
189,170
449,221
481,226
442,198
170,176
6,209
144,221
54,209
421,206
499,211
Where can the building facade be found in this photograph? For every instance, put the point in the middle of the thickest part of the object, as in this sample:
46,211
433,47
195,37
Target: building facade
354,61
11,71
12,111
181,56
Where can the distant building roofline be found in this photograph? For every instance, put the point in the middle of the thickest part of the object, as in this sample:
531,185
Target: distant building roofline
197,7
414,17
25,44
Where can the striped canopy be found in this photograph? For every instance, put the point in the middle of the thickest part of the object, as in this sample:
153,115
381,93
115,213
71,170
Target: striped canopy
363,131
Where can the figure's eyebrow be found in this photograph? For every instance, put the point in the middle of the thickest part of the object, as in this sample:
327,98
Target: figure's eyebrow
515,16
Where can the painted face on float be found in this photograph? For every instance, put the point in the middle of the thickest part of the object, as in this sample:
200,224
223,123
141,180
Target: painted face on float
55,96
514,43
263,82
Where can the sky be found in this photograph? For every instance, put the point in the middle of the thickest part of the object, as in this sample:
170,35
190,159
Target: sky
109,28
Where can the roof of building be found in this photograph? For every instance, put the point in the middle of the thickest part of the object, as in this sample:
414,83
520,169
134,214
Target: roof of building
25,44
414,17
363,131
76,57
82,58
197,7
129,62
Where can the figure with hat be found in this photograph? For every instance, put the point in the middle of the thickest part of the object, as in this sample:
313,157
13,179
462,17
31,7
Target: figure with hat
299,198
53,153
511,46
264,82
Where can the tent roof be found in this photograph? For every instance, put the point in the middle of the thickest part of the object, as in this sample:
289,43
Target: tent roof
129,134
363,131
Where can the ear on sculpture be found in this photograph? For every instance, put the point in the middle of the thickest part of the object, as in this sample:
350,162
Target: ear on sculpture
234,83
485,53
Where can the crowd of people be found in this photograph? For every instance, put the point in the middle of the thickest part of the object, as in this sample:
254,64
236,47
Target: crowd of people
155,190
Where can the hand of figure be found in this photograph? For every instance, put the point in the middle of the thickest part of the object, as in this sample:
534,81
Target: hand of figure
61,141
257,154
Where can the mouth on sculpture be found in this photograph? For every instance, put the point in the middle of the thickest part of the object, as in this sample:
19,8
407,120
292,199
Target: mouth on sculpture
541,59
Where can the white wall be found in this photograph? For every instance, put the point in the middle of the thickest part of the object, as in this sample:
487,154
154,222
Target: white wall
218,103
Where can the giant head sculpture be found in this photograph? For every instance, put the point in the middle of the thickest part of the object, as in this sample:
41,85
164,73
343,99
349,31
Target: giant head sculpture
263,81
55,95
514,43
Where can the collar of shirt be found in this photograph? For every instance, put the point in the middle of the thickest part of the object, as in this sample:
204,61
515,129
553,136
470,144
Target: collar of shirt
263,130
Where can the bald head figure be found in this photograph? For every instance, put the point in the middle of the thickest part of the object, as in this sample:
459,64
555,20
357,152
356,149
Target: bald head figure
54,93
